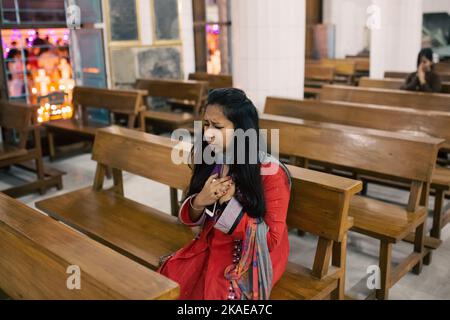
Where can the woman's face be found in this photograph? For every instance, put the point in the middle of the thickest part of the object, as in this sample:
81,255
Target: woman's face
218,130
426,63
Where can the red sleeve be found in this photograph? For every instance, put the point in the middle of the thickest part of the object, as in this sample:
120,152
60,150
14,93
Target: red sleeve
276,194
184,217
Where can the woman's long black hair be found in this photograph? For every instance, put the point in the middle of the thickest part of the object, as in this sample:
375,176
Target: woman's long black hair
243,114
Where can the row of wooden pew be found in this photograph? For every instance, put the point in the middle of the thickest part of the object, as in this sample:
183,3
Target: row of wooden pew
335,137
143,234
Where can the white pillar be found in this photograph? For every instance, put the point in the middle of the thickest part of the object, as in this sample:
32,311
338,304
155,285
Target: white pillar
349,20
268,48
396,41
187,36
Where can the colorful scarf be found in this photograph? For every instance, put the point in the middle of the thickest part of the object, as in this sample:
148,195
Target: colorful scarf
252,277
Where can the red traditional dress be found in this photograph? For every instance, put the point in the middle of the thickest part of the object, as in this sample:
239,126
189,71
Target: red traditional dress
199,267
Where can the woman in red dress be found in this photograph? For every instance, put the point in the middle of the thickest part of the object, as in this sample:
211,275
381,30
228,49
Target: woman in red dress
240,205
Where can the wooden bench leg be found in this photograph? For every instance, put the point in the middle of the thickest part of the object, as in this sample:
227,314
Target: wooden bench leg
339,259
419,246
51,145
437,221
437,214
385,270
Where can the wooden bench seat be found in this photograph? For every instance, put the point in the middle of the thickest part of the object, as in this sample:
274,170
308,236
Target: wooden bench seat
144,234
7,151
297,284
36,252
118,103
106,217
383,220
76,126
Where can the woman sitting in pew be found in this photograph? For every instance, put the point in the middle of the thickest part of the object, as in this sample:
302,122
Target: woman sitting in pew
241,207
424,79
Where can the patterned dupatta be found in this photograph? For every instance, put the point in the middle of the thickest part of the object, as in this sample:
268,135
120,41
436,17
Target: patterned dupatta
252,276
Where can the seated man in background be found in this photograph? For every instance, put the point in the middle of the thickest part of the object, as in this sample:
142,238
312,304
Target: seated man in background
424,79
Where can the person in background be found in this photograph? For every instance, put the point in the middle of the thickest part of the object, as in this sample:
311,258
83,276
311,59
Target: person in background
15,73
424,79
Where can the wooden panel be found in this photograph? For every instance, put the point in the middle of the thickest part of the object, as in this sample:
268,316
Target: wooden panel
445,77
383,220
215,81
341,66
392,83
412,121
137,231
407,99
119,101
319,73
137,151
175,89
319,202
36,252
15,115
388,153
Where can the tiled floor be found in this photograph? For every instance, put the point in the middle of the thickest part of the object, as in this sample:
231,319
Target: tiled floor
433,283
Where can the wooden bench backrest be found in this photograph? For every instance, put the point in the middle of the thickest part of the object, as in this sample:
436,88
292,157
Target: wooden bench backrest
319,73
432,123
366,150
362,63
442,67
175,89
445,76
22,118
215,81
36,252
141,154
398,98
116,101
341,66
319,201
387,153
15,115
392,83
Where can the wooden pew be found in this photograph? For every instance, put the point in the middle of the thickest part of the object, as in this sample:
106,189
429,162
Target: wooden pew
117,102
215,81
144,234
398,98
431,123
373,152
22,119
315,76
187,94
119,217
445,76
392,83
37,251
